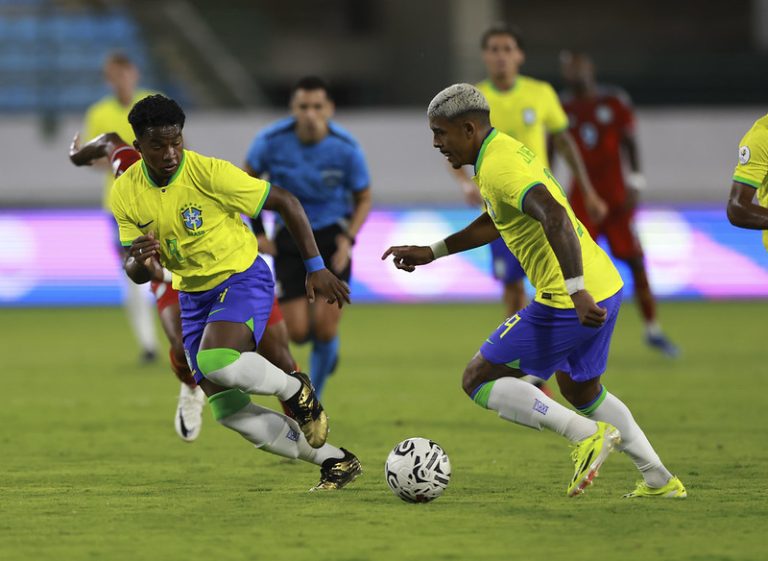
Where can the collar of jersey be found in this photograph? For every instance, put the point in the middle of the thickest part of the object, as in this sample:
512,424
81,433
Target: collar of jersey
505,92
173,177
490,136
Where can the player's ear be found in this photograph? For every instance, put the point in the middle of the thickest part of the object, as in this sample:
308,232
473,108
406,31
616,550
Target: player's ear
469,128
136,146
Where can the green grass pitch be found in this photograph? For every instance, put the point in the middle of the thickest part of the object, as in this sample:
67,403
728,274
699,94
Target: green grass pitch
91,468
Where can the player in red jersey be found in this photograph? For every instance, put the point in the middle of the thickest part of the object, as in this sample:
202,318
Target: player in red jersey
602,122
273,345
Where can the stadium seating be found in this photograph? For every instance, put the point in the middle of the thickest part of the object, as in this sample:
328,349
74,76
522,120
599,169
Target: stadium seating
50,57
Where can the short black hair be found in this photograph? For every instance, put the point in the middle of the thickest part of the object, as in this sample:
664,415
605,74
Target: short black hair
310,83
155,111
502,29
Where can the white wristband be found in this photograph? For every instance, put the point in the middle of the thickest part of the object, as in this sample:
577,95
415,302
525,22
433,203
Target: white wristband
439,249
167,276
574,285
636,180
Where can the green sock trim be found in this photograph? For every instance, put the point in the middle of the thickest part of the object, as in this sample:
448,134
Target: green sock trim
482,394
228,402
211,360
590,408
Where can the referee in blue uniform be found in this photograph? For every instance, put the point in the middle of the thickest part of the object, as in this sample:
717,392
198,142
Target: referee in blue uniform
324,167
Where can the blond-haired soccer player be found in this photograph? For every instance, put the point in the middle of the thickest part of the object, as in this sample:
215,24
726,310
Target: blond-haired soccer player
110,114
567,329
529,111
184,209
750,178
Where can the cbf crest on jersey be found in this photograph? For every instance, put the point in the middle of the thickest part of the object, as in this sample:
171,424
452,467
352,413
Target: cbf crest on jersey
192,217
529,116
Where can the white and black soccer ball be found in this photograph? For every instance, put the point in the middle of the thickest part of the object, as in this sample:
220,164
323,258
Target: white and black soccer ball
417,470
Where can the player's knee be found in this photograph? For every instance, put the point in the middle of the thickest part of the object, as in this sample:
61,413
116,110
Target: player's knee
581,393
299,334
324,333
215,364
472,378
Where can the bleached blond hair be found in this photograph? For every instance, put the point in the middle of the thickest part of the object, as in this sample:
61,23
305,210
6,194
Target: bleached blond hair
456,100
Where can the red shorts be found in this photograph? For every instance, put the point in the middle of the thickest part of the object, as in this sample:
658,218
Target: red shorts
166,295
618,228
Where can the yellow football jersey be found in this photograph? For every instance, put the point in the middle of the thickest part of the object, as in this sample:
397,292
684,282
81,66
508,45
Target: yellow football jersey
109,115
196,218
505,171
528,112
752,168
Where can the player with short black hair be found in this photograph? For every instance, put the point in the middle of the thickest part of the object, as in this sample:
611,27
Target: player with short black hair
567,329
273,345
324,167
183,210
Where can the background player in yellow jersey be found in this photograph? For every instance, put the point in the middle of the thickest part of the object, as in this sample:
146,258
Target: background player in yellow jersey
528,110
110,114
568,328
750,178
184,210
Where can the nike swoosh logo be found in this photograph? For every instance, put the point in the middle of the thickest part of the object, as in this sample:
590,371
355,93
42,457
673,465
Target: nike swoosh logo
216,311
145,225
182,426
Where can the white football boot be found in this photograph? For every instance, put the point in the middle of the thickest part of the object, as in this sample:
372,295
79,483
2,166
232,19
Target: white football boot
189,413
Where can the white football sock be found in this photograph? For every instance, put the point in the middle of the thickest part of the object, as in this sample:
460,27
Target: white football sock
254,374
278,434
633,440
525,404
141,316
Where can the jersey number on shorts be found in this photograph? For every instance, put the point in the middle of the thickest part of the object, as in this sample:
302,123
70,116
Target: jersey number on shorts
510,323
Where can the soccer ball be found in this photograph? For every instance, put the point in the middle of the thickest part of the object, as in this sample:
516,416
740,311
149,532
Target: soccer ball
417,470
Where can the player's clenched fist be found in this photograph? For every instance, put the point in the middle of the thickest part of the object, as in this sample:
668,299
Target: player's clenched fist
408,257
590,314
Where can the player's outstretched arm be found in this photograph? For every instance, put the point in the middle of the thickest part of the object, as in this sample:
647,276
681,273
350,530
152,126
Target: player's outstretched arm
742,210
566,147
480,232
540,205
95,149
319,278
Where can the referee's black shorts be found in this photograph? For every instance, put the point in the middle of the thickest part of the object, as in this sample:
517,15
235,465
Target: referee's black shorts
289,265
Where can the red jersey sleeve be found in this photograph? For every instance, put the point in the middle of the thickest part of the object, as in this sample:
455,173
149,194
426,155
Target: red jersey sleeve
122,158
625,113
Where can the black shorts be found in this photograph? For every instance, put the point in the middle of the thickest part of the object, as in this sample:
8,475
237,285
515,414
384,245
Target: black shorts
289,265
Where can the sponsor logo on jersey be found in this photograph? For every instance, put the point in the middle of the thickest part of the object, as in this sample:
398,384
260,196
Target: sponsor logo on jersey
744,155
603,114
332,177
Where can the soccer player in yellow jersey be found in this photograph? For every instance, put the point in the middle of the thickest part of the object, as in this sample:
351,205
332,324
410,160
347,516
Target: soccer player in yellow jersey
530,111
110,114
750,178
183,211
567,329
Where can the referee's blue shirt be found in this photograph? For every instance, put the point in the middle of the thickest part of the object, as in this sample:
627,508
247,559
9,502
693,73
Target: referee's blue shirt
322,176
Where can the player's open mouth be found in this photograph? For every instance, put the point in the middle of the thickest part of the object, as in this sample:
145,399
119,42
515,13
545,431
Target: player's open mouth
171,168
